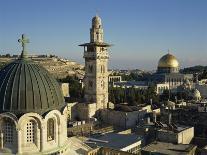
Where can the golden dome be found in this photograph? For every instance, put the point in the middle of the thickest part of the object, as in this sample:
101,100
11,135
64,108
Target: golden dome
168,61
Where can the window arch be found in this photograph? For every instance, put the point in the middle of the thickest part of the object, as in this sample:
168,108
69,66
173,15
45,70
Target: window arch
50,129
102,69
90,84
102,84
90,68
8,132
31,131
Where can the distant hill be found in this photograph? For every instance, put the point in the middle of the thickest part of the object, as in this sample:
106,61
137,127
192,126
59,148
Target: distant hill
60,68
194,69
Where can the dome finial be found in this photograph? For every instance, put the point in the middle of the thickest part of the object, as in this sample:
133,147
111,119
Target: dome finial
168,51
96,12
24,40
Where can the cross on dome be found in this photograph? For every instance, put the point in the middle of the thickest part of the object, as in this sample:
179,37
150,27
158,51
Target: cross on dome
24,40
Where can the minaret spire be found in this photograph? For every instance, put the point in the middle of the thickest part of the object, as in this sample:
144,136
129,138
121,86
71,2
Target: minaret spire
96,31
24,40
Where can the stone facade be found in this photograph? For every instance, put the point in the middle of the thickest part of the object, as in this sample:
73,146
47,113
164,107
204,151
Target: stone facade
181,137
33,133
121,118
115,78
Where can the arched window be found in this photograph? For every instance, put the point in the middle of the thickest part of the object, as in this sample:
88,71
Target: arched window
90,84
102,84
31,131
102,69
90,68
50,129
8,132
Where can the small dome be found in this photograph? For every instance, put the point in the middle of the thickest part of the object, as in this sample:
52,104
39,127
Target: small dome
168,61
96,22
28,87
196,94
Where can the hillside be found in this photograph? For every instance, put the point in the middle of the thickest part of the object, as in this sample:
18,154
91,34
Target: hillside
194,69
60,68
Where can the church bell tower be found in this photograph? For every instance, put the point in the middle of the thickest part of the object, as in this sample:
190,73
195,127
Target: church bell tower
96,66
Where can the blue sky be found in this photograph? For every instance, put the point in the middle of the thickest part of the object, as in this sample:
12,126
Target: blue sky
141,30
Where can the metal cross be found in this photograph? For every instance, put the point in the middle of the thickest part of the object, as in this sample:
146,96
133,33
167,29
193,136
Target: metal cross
23,41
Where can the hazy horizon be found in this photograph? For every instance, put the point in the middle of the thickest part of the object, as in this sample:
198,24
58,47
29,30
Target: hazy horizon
142,31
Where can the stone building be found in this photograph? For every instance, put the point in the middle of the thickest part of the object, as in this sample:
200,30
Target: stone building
177,134
124,118
32,109
115,78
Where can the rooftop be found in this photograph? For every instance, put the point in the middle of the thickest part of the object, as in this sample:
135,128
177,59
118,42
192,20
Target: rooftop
113,140
169,148
176,127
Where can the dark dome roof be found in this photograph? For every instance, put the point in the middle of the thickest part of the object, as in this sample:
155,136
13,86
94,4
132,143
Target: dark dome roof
28,87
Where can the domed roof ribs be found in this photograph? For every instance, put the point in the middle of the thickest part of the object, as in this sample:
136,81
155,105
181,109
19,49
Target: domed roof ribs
15,93
21,99
45,90
31,79
5,90
57,94
38,85
12,89
48,91
51,91
25,85
18,87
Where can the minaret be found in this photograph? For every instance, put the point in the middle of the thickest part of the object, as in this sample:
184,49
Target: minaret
96,66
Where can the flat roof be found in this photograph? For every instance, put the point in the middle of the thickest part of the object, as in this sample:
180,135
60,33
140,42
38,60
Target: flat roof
113,140
178,129
168,148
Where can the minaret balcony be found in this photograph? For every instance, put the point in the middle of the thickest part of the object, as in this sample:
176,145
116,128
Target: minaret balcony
96,55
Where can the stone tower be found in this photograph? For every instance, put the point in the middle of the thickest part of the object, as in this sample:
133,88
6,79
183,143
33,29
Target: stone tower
96,66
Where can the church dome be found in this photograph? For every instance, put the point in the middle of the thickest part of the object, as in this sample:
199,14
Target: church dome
28,87
168,61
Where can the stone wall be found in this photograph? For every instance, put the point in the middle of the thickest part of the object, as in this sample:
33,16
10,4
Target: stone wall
121,118
183,137
186,136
